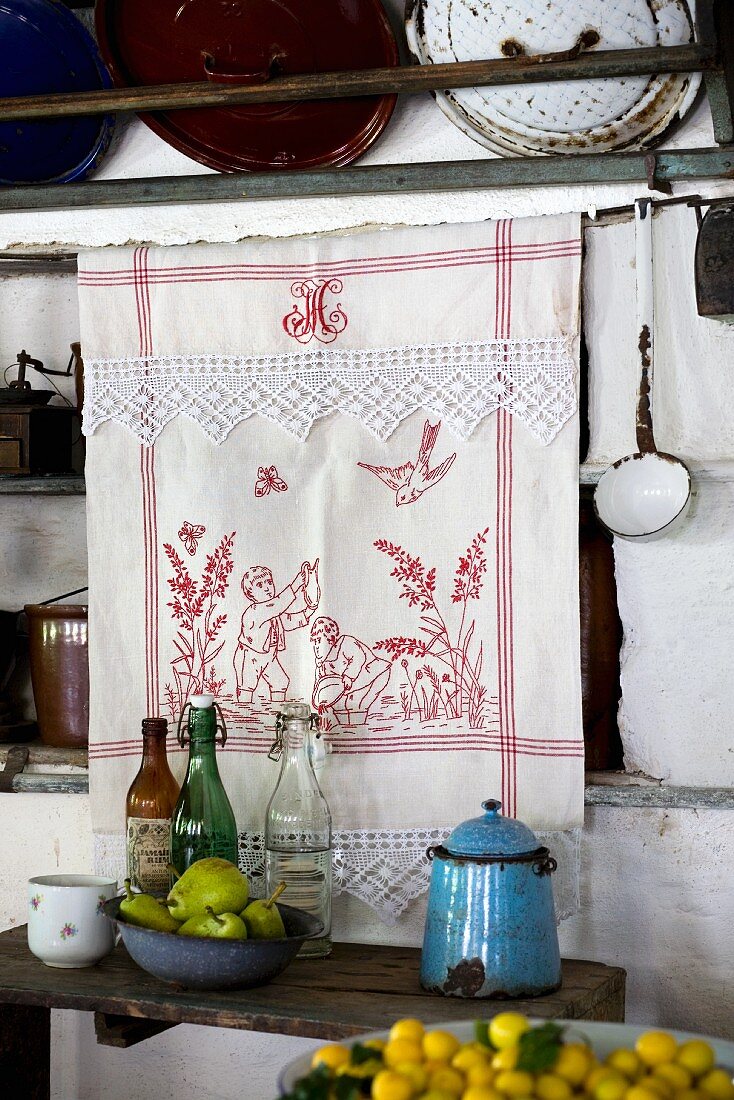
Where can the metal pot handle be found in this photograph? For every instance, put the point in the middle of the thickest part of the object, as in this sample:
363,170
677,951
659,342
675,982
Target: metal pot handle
545,866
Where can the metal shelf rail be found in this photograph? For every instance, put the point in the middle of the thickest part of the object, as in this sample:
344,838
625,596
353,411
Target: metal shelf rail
712,55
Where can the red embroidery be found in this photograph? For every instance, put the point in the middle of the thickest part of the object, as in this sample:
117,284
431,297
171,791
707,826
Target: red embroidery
193,607
452,680
267,479
268,615
190,534
411,480
312,321
350,677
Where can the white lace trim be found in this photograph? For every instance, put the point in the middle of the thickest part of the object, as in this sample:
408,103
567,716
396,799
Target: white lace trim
387,869
535,380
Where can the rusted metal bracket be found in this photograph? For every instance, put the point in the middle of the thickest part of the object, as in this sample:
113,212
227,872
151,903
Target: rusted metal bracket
126,1031
16,760
653,183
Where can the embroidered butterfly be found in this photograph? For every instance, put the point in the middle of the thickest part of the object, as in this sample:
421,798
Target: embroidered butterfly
190,534
267,479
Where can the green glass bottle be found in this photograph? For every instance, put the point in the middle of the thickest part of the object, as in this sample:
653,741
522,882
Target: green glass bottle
203,823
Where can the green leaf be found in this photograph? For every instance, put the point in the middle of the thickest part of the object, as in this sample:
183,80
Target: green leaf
347,1088
481,1034
360,1054
540,1047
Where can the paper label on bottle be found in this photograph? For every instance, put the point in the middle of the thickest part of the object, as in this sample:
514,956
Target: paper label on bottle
148,856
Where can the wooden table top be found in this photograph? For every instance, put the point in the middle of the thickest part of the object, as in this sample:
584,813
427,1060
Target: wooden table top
360,987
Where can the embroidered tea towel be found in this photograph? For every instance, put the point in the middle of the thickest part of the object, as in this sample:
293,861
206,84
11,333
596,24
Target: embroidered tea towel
343,469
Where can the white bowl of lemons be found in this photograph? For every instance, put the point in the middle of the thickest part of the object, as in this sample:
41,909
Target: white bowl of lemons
511,1057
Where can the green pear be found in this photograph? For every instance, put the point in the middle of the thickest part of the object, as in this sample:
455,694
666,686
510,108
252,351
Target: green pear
145,911
262,918
227,926
208,882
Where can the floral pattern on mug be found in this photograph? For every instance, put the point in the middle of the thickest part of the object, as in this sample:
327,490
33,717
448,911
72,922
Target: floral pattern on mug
36,902
101,899
68,931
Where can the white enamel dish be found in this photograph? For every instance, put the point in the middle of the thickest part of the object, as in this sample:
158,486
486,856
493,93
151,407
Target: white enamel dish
590,116
604,1038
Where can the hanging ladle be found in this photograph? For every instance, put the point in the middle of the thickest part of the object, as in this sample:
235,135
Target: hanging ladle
645,495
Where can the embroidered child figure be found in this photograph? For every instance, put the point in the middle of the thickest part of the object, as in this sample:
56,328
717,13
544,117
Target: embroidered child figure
265,620
349,677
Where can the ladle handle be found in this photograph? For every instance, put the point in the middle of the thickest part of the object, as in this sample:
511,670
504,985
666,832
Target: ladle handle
645,322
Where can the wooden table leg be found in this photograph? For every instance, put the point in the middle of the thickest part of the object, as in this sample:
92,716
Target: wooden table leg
25,1052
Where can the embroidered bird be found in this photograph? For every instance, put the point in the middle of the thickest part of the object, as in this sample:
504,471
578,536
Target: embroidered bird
412,479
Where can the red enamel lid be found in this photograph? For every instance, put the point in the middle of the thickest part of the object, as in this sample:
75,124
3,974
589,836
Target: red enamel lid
240,41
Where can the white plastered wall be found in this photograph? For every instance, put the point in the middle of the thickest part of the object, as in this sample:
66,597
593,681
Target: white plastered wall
656,884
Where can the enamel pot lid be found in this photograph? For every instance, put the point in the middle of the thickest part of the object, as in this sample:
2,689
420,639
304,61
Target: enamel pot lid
244,42
44,50
492,835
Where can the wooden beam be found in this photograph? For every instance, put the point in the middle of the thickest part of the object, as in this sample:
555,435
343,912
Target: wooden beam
467,175
406,79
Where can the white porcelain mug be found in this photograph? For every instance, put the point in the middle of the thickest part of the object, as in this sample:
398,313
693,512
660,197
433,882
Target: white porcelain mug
66,924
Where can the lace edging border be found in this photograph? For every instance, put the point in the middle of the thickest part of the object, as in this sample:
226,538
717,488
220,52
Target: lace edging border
532,379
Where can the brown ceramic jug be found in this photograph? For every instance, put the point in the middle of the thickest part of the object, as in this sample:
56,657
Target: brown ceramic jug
57,641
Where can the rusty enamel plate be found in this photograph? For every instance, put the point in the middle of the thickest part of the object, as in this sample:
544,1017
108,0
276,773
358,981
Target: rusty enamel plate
559,117
245,42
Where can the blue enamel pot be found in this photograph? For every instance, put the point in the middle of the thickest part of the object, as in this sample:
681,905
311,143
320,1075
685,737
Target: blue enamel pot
491,923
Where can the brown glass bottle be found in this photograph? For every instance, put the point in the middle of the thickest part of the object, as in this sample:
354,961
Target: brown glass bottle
150,804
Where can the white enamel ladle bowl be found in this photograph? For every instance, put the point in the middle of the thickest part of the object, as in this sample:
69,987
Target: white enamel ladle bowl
645,495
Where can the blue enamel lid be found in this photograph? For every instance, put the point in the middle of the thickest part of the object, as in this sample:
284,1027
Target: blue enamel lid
492,835
44,49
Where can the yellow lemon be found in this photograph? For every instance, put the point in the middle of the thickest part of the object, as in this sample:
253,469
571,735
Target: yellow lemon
639,1092
440,1046
363,1070
596,1076
506,1059
514,1082
716,1083
655,1047
375,1044
690,1094
389,1085
675,1074
480,1074
663,1088
506,1028
480,1092
612,1087
407,1028
437,1094
402,1050
549,1086
696,1056
574,1063
626,1061
470,1055
448,1080
332,1056
416,1074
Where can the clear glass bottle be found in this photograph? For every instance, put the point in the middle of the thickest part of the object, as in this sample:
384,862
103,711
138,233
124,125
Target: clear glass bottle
150,803
298,825
203,823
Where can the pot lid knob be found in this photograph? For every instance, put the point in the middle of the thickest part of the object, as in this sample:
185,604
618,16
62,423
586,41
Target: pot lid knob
491,835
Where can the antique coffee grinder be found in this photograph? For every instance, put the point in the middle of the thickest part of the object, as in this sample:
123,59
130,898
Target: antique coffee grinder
491,925
36,438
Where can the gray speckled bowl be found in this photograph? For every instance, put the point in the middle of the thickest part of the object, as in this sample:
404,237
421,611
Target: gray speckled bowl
200,963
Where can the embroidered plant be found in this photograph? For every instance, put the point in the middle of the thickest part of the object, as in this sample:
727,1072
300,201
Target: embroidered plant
68,931
194,609
36,902
459,689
